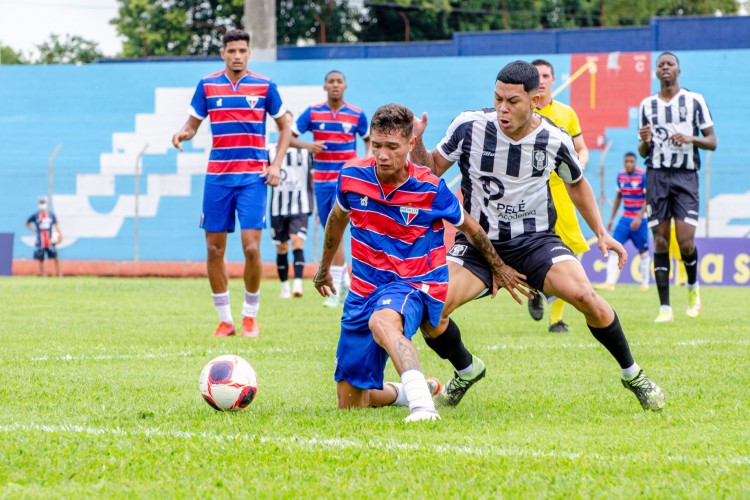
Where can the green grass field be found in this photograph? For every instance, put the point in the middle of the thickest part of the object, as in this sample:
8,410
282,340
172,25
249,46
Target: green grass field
99,398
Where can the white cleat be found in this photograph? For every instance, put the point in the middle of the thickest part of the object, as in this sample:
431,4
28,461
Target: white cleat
285,292
297,288
420,414
331,301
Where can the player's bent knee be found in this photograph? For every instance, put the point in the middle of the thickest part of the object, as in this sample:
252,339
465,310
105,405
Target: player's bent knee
350,396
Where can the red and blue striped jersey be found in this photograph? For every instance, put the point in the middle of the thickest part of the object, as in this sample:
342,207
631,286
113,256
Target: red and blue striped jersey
632,187
238,124
397,231
338,130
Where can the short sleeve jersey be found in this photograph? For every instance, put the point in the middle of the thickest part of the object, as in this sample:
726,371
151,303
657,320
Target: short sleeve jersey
632,188
43,221
397,231
293,195
338,129
686,113
505,182
238,124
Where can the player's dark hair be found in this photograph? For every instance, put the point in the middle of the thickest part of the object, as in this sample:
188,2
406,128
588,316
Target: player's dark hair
630,153
520,72
668,53
544,62
325,79
234,35
392,118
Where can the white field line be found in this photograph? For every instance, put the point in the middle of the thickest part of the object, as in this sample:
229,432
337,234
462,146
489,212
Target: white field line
494,347
317,443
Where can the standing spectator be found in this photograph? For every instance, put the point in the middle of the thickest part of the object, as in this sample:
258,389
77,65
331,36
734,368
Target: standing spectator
44,223
671,122
291,206
335,125
237,102
567,226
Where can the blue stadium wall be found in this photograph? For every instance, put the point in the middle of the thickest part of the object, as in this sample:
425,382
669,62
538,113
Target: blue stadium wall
100,114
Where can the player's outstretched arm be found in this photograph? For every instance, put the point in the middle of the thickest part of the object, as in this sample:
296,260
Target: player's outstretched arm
582,197
334,233
187,132
419,154
503,276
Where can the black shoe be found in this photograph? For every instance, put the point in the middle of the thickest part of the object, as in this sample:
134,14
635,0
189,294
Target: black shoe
648,393
559,327
456,387
536,307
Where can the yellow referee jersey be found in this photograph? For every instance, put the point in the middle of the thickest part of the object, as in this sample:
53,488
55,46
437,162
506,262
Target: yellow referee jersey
567,220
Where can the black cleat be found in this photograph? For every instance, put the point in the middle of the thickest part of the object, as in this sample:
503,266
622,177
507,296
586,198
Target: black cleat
536,307
559,327
648,393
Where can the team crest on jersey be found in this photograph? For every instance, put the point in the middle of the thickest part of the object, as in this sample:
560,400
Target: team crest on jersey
363,201
458,250
408,213
218,103
683,113
347,127
322,126
252,100
539,160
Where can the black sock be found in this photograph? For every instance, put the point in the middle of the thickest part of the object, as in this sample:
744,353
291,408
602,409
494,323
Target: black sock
661,276
691,266
299,263
450,346
282,265
613,338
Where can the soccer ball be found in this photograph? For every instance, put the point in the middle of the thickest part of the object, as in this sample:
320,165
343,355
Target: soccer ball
228,383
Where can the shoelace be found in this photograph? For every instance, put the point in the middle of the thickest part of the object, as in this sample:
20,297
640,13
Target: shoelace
640,381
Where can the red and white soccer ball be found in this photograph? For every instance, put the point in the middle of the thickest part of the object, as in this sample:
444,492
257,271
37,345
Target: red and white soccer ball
228,383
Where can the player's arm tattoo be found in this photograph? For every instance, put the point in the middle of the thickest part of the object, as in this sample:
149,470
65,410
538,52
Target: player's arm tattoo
406,354
420,155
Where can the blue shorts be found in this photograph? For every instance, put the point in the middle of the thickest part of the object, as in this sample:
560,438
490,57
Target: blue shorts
623,233
325,197
359,360
221,202
40,252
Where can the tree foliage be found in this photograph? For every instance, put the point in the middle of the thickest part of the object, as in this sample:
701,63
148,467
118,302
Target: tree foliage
69,50
321,21
10,56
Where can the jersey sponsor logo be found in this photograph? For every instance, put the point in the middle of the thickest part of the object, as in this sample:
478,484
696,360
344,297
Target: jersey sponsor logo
492,187
363,201
386,302
559,248
458,250
488,153
539,160
252,100
409,213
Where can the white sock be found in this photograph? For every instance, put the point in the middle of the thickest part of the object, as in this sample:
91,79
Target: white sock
612,270
466,370
400,394
285,285
665,308
645,268
337,273
630,372
251,305
694,286
223,308
416,390
298,283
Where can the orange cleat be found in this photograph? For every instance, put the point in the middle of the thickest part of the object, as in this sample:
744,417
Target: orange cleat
249,327
225,330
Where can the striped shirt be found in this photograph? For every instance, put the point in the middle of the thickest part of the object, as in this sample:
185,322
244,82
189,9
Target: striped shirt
43,221
505,182
632,188
238,125
338,130
686,113
397,231
293,195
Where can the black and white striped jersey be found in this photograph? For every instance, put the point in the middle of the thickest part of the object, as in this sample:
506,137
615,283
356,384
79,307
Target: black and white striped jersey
293,195
504,182
686,113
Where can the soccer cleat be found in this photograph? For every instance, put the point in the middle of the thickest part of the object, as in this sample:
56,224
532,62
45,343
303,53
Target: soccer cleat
559,327
420,414
285,292
665,316
456,388
249,327
604,286
225,330
536,307
694,303
297,288
648,393
433,385
331,301
644,287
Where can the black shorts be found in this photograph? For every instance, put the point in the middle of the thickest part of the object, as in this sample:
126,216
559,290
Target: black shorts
672,193
529,254
282,226
39,253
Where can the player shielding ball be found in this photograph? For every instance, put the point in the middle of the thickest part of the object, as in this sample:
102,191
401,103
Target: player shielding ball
506,156
399,272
